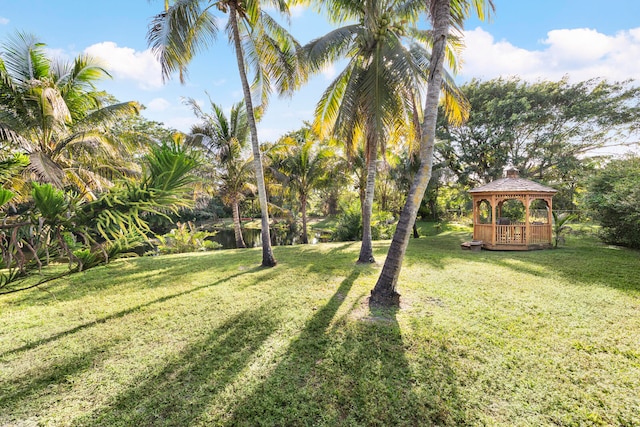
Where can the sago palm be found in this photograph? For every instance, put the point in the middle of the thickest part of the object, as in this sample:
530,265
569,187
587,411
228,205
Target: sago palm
223,141
52,111
187,26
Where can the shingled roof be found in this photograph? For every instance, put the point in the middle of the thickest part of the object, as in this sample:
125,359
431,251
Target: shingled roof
513,183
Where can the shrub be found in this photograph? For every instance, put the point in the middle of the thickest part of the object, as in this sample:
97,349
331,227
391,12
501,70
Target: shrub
186,238
349,227
613,196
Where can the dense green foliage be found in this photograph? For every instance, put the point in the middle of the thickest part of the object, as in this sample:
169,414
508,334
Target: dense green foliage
58,224
300,163
614,198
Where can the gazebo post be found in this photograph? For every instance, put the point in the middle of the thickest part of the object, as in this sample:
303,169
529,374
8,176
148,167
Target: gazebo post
493,220
550,219
527,228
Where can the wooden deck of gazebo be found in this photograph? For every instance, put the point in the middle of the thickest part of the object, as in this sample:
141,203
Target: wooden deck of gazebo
502,233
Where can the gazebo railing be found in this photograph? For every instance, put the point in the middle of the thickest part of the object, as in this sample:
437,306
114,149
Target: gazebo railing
483,232
513,234
540,233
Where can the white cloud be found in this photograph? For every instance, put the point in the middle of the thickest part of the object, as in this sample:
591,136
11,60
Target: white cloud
268,134
329,71
182,124
158,104
579,53
297,11
3,20
128,64
59,54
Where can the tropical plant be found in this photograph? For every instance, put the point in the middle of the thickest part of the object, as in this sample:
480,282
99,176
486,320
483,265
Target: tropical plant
443,15
300,163
223,141
187,26
561,225
372,99
186,238
62,225
52,111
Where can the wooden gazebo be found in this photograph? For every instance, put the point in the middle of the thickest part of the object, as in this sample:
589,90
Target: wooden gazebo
501,233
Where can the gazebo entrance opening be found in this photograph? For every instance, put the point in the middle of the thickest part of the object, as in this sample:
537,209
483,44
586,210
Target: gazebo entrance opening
513,214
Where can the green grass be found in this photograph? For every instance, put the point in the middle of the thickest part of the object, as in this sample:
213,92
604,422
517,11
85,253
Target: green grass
490,338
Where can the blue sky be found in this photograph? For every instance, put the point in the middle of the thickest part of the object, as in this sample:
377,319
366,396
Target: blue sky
543,39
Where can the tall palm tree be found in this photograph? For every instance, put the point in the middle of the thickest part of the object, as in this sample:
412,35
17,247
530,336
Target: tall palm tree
224,141
300,162
187,26
371,99
52,111
443,14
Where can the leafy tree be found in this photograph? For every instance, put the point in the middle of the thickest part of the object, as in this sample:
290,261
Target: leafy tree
544,129
300,162
52,111
223,141
187,26
443,14
613,196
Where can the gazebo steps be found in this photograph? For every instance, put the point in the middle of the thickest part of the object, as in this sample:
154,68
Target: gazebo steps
474,245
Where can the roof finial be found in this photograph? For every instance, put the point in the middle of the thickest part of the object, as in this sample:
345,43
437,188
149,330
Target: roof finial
512,171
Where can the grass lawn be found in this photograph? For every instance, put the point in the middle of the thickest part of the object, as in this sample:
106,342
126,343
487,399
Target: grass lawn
491,338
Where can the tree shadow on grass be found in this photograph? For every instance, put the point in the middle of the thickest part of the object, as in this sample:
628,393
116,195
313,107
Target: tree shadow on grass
148,272
179,393
118,315
350,371
586,262
46,381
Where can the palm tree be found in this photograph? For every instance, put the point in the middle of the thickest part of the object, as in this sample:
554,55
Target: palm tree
443,14
52,111
371,100
301,165
224,140
187,26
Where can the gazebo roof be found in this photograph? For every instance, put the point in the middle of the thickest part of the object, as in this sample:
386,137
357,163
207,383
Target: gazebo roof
513,184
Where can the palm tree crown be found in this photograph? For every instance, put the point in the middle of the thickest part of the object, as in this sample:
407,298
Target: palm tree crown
224,142
53,111
376,97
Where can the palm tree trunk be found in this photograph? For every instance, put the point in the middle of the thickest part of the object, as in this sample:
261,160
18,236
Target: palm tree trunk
366,249
268,260
384,292
237,228
303,203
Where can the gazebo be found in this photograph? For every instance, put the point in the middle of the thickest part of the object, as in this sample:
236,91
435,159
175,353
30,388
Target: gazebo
531,230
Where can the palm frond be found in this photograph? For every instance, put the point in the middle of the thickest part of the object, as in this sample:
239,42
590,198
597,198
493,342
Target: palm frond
25,58
45,169
178,33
